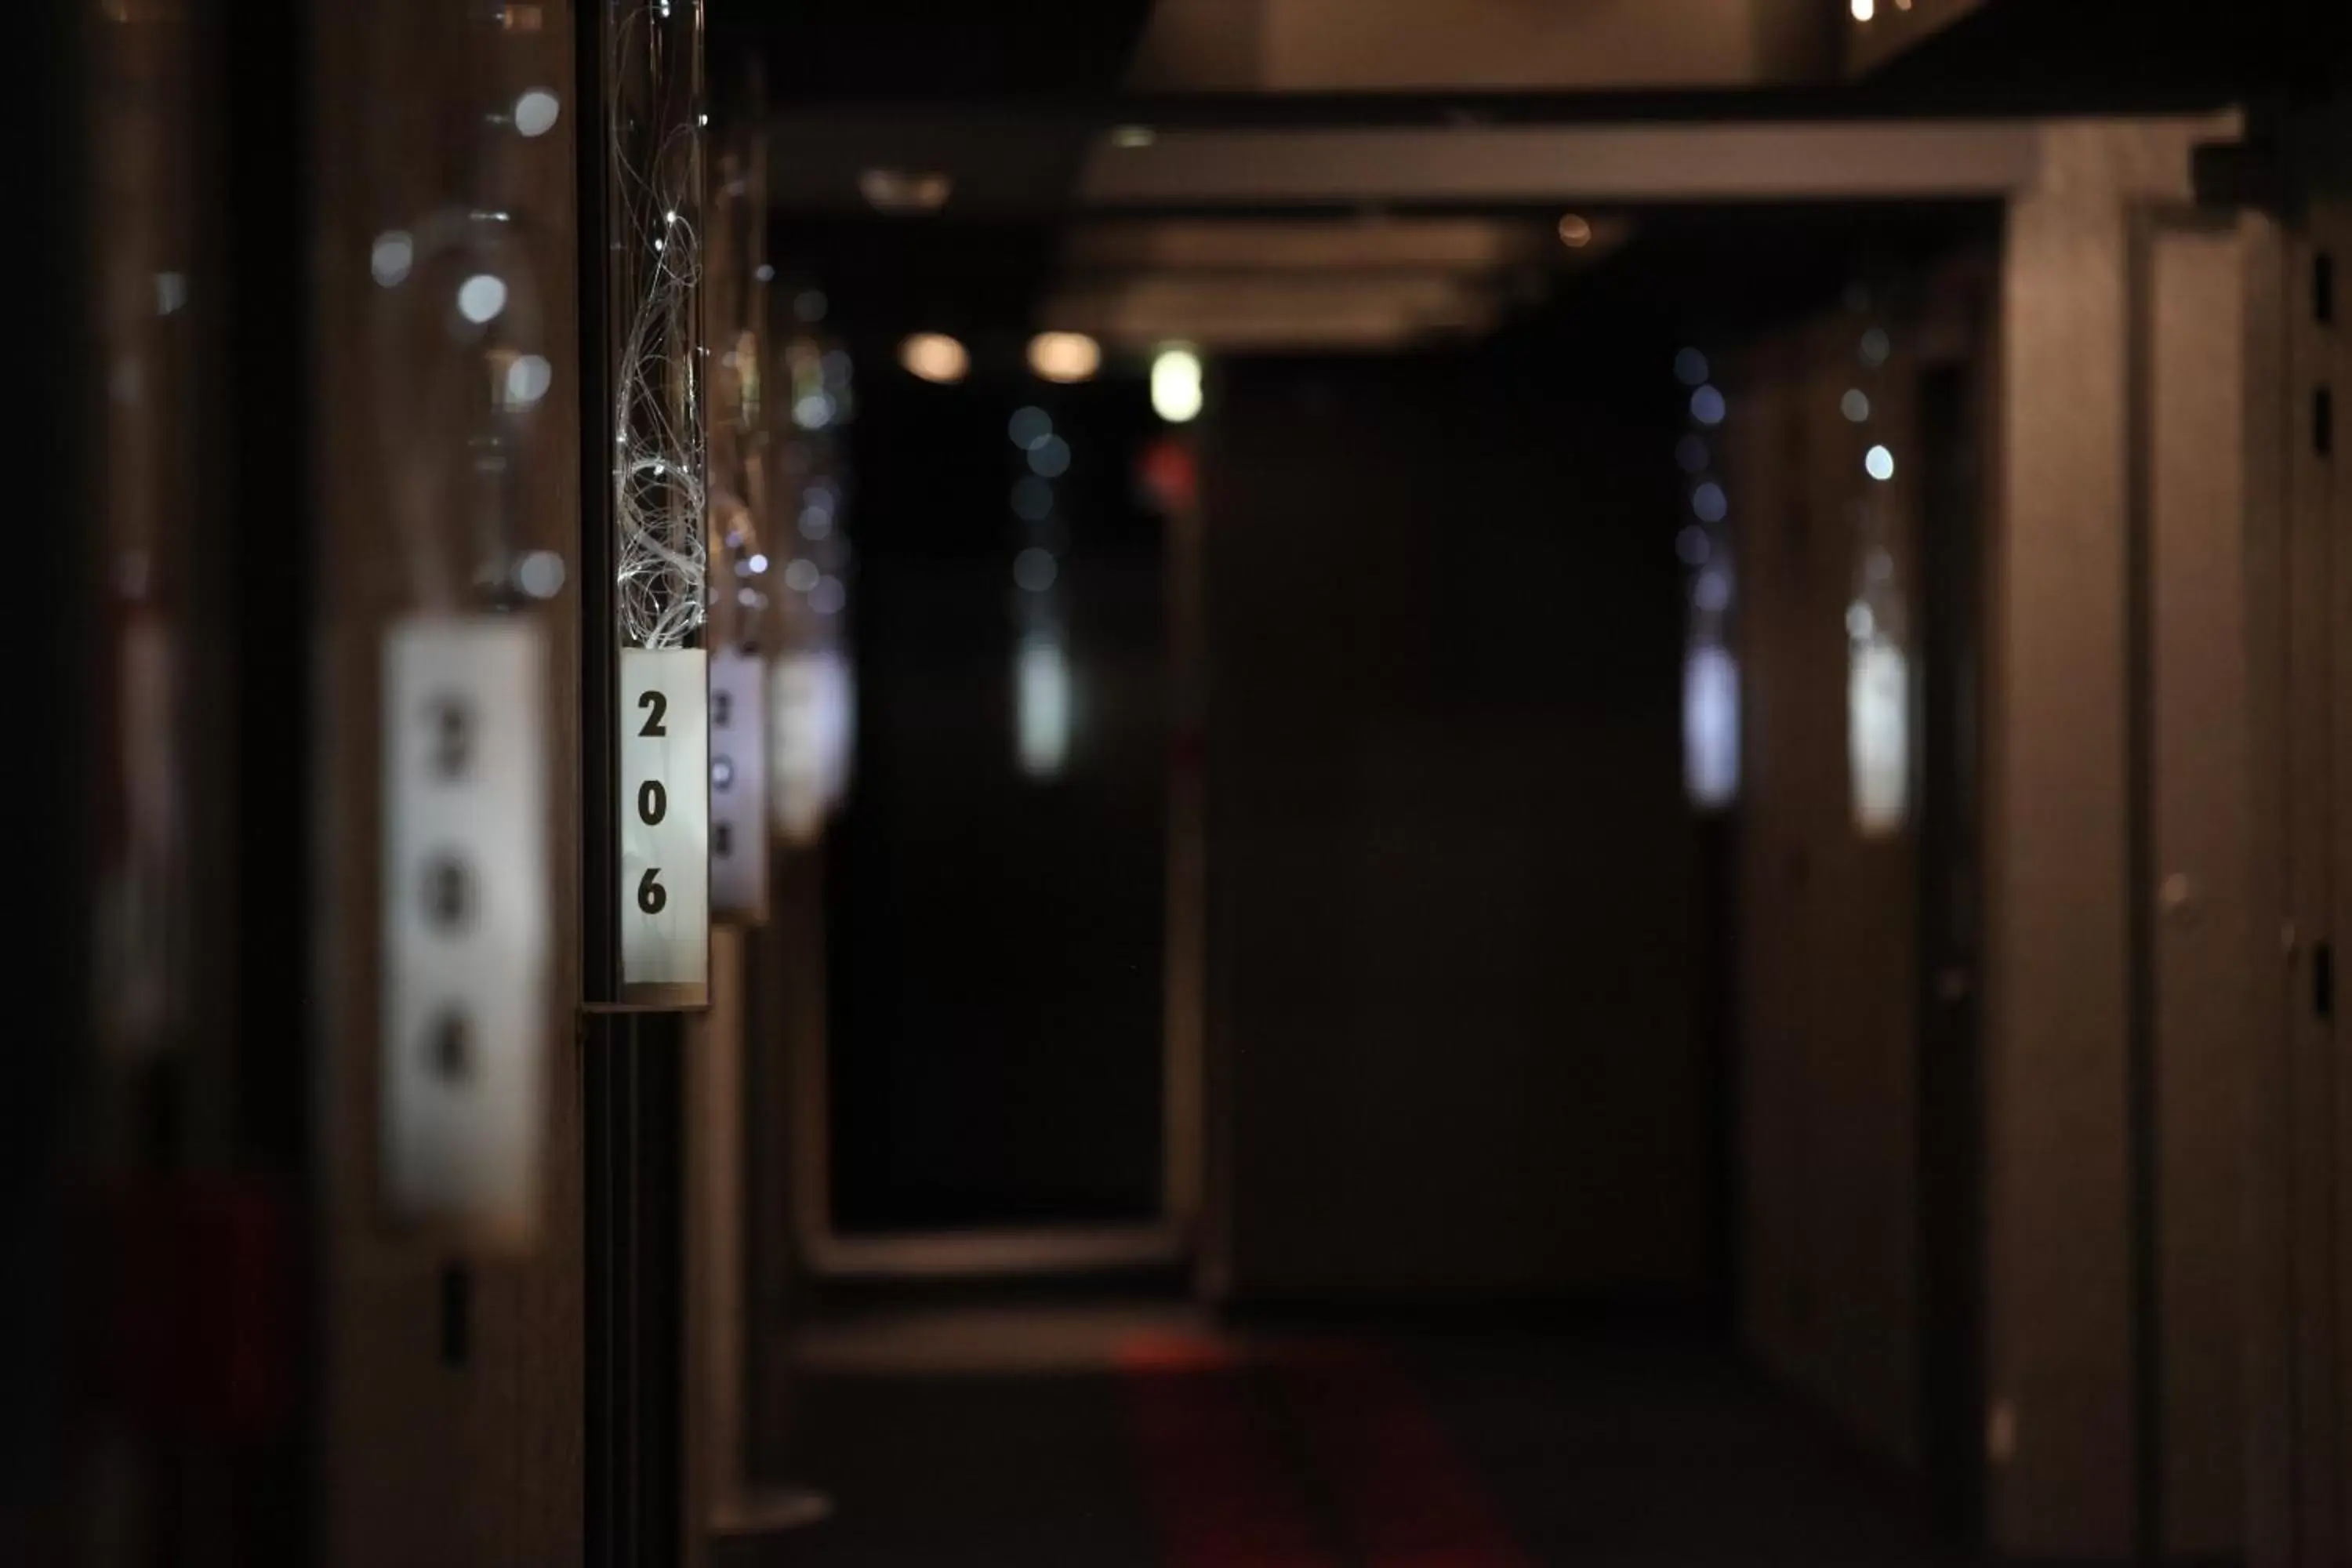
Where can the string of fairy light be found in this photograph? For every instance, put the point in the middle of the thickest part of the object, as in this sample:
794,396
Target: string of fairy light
658,462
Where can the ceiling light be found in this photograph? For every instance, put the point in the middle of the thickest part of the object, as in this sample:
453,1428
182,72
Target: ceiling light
905,190
934,357
1176,385
1064,357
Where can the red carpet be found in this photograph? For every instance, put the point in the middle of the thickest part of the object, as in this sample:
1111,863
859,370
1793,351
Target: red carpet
1220,1492
1405,1499
1224,1494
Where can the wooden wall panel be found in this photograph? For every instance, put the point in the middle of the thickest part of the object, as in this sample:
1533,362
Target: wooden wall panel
428,1458
1827,914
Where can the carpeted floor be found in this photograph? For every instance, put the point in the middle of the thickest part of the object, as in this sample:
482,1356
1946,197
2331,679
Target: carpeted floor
1094,1441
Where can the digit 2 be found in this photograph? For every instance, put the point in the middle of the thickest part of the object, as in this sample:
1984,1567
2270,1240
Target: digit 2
660,706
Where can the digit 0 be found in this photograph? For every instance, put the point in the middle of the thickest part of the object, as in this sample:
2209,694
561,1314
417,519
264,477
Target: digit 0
448,893
653,802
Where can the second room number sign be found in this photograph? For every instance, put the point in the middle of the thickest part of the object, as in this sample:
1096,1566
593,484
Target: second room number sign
738,789
665,810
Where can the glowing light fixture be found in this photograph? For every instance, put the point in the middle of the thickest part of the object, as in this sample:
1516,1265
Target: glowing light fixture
535,112
903,192
1064,357
389,259
1710,725
1863,10
540,574
1879,463
1575,231
1878,735
481,297
528,379
1041,707
1176,385
935,357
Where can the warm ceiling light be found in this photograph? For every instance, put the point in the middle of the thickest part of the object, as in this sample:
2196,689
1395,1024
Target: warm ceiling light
905,190
934,357
1575,231
1064,357
1863,10
1176,385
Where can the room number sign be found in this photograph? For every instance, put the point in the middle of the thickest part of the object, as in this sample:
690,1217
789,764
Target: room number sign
665,810
467,937
738,788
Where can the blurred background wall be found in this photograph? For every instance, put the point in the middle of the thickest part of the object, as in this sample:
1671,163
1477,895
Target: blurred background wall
1449,859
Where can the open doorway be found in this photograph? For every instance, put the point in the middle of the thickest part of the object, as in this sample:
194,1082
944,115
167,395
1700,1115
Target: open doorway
996,884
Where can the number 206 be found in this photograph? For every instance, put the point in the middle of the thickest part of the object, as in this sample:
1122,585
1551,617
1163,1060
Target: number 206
653,805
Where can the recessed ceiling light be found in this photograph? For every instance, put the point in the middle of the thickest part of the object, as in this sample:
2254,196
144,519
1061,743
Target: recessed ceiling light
934,357
905,190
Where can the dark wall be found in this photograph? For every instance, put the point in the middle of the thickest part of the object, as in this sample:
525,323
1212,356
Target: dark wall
1450,910
1827,939
1861,1133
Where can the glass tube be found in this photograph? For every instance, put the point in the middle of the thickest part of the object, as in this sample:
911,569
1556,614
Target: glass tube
655,117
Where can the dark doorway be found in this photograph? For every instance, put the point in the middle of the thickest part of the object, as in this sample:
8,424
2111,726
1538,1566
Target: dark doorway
996,884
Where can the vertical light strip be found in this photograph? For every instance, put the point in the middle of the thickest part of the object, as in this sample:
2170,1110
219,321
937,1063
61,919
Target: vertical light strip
1710,670
1877,619
654,118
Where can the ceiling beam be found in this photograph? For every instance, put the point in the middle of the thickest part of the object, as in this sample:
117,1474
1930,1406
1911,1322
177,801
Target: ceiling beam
1475,165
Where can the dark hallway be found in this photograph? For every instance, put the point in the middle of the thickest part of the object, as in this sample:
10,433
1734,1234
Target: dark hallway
1183,783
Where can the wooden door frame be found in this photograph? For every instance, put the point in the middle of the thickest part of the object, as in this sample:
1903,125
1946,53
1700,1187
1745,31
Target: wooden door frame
2299,837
